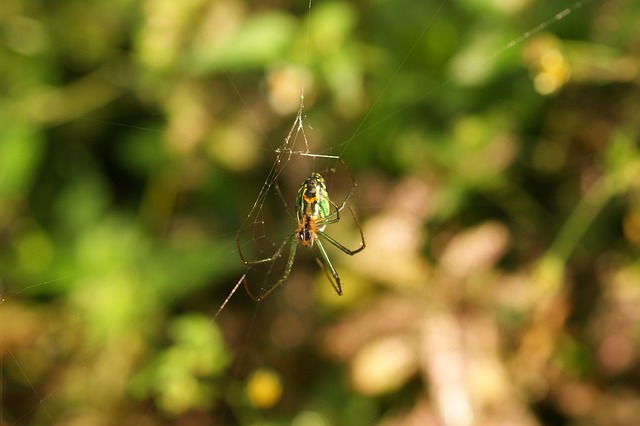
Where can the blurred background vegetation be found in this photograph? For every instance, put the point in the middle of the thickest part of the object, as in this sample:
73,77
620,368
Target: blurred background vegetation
499,193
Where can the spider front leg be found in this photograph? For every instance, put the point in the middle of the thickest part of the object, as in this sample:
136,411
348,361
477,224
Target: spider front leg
330,218
335,282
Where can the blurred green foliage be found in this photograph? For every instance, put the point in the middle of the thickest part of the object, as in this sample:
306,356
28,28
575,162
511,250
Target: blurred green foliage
496,149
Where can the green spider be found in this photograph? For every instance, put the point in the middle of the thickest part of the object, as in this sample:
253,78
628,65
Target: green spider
313,211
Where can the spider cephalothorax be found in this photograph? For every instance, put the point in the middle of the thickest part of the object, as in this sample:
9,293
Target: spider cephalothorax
307,232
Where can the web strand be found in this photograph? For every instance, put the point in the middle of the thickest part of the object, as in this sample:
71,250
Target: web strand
361,128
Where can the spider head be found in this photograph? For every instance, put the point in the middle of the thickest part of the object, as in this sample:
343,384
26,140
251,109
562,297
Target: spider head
306,233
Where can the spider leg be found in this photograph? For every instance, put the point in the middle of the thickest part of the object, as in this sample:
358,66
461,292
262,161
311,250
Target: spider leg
351,191
275,256
340,246
287,271
335,216
331,218
335,282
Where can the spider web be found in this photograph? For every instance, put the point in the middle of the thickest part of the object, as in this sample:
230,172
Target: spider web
271,217
264,231
260,233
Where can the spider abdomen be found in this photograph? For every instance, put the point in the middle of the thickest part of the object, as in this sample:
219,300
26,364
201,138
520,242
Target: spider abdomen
312,201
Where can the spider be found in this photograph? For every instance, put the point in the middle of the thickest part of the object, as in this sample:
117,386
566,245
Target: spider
313,214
